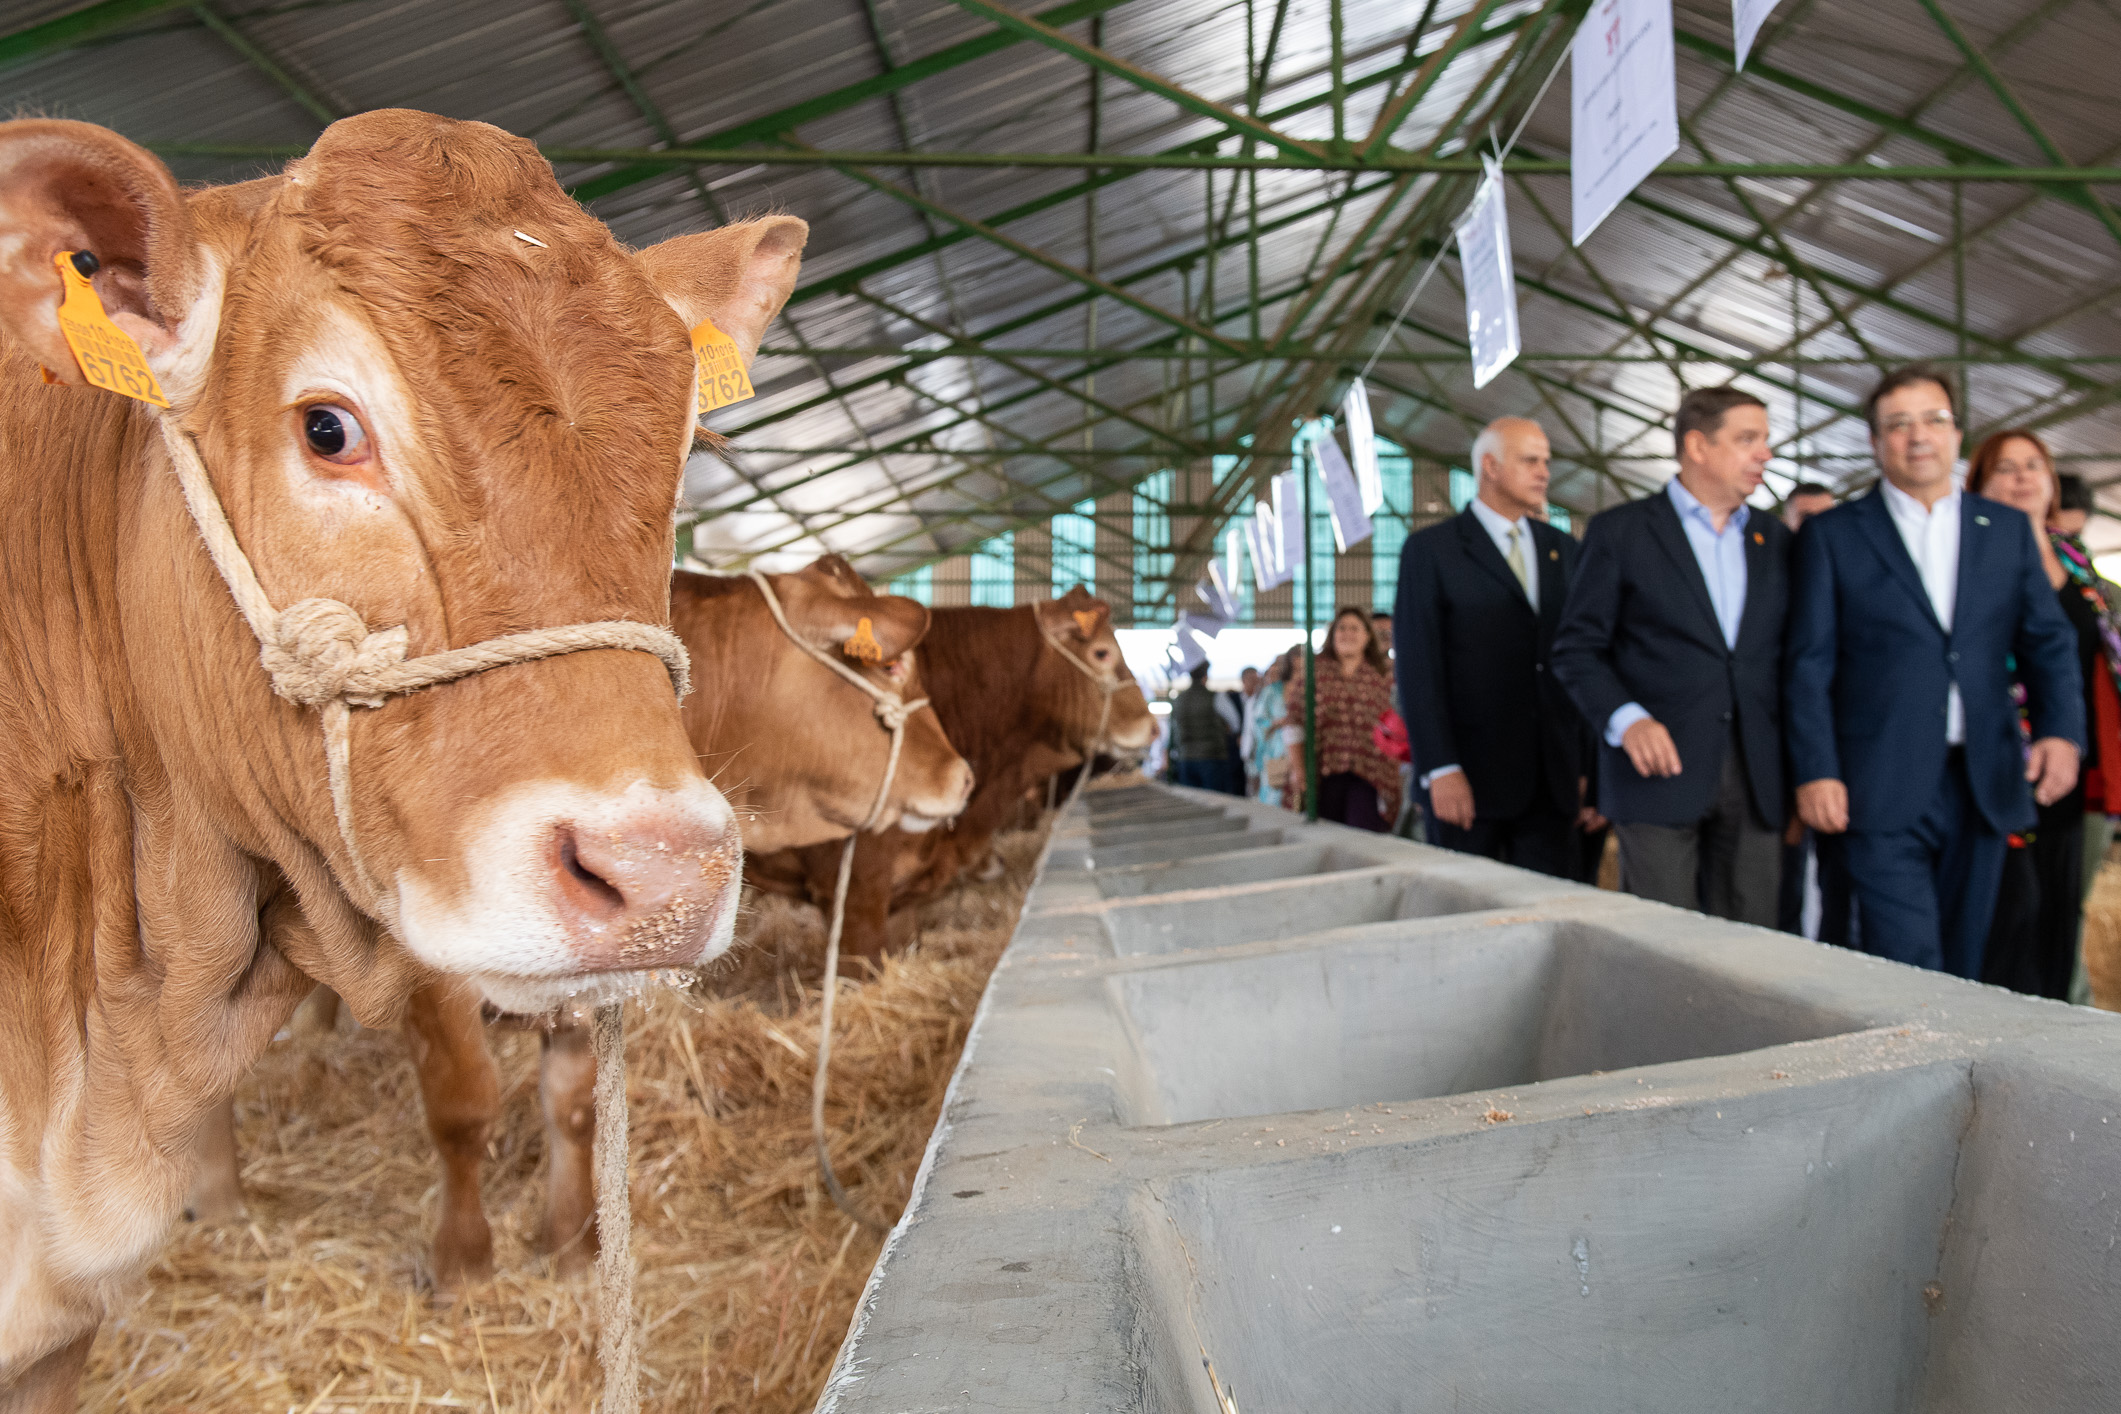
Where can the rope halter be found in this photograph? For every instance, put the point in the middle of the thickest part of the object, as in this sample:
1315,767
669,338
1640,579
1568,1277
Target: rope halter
893,711
1106,686
320,653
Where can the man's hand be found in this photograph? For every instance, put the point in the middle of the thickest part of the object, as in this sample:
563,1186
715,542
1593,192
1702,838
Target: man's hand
1451,800
1824,805
1649,746
1793,832
2051,766
1588,819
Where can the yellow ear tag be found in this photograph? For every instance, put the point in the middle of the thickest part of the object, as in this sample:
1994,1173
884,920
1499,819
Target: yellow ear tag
863,647
1085,620
722,377
108,356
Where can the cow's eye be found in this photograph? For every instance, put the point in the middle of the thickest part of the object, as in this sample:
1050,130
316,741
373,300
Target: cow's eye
335,434
1101,655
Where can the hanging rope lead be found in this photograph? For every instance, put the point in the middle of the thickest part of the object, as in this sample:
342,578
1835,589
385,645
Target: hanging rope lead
893,711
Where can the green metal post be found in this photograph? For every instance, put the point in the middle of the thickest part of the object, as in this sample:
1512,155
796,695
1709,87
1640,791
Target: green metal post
1310,659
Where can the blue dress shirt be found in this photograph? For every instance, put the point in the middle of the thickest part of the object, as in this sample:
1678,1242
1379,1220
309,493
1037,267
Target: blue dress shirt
1721,556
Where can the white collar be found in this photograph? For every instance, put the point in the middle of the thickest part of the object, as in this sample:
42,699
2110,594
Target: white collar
1497,526
1901,504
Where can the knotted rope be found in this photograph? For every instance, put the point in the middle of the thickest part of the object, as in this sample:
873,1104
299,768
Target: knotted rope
320,653
892,711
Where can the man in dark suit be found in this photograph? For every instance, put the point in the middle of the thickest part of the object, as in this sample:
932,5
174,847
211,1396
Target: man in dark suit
1904,607
1497,744
1671,646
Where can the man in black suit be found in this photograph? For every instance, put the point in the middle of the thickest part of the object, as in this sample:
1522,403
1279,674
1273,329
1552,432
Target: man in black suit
1671,645
1497,744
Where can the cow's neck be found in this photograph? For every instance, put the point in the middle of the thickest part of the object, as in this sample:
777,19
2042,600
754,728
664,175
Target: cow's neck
143,951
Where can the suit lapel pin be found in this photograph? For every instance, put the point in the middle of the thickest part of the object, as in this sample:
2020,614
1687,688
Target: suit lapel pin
1759,539
1981,520
1553,554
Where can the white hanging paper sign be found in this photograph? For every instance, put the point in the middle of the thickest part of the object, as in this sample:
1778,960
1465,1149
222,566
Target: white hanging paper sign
1490,280
1747,16
1289,511
1215,594
1262,568
1200,625
1233,578
1362,447
1623,105
1351,526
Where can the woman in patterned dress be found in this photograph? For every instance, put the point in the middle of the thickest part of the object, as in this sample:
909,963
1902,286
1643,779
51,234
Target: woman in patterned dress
1358,784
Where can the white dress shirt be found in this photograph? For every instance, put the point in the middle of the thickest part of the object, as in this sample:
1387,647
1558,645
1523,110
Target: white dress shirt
1932,540
1721,557
1499,531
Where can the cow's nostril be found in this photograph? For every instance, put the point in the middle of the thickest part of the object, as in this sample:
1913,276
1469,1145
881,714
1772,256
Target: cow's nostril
592,894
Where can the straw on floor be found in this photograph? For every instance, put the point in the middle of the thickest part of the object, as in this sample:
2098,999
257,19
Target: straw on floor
320,1301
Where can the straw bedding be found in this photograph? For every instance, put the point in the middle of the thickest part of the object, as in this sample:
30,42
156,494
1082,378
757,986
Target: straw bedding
321,1299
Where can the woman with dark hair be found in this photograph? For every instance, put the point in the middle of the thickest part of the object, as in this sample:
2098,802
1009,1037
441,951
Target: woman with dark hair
1358,784
2033,943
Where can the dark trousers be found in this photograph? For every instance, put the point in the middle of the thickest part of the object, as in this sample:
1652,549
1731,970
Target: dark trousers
2032,942
1219,776
1925,894
1347,799
1837,901
1541,838
1727,863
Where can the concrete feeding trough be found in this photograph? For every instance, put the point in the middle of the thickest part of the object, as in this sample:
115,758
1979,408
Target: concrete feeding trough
1264,1116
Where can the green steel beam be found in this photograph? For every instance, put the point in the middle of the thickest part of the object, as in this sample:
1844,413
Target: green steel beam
267,64
781,120
75,27
1951,147
1027,27
1263,353
1980,64
1395,163
1399,109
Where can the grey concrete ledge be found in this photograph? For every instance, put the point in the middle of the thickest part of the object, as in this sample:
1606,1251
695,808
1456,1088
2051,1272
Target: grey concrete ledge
1288,1117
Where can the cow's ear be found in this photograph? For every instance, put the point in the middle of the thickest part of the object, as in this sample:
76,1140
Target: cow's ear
829,614
68,186
1076,616
738,276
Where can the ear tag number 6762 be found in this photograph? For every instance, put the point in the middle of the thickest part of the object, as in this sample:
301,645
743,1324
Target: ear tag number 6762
109,357
722,377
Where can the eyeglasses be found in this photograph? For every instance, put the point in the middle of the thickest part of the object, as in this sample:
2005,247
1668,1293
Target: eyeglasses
1902,424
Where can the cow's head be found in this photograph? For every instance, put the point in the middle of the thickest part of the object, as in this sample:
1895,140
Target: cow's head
426,383
1081,624
802,750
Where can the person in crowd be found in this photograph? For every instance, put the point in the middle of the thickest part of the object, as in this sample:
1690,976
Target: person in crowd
1905,605
2032,945
1357,783
2102,791
1671,646
1381,625
2073,511
1267,765
1249,682
1806,499
1200,739
1497,743
1816,899
1230,706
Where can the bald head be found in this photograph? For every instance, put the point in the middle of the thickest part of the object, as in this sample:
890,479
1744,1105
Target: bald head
1510,458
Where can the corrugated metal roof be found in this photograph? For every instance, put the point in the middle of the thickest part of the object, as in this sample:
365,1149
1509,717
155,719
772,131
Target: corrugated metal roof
886,444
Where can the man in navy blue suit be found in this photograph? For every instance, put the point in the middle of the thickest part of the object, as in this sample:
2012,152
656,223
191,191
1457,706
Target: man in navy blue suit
1671,646
1908,607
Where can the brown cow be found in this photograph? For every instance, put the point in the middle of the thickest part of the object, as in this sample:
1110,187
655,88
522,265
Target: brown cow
404,406
801,753
1016,692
